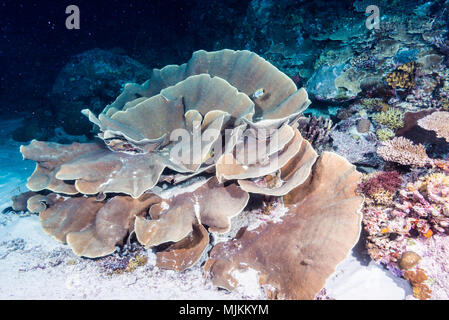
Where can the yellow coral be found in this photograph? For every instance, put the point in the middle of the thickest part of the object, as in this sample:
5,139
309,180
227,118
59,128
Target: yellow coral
383,197
422,292
408,67
384,134
436,178
403,77
417,278
393,118
375,104
444,103
432,180
138,261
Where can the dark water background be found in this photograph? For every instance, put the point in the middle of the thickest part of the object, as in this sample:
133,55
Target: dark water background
35,43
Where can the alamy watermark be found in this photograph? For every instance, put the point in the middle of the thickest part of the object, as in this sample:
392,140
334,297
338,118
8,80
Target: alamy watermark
73,20
373,21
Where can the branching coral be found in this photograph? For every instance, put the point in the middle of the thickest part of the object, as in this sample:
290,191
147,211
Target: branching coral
403,151
382,186
375,104
316,131
225,122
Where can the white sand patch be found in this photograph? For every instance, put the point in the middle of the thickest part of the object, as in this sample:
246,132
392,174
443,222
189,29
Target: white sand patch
46,269
248,283
354,281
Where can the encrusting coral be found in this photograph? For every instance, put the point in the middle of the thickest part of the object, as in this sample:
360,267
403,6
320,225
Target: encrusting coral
237,117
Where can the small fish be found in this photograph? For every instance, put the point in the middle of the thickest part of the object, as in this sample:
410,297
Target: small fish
259,92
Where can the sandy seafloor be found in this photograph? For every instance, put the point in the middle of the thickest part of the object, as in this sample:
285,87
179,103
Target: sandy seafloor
35,266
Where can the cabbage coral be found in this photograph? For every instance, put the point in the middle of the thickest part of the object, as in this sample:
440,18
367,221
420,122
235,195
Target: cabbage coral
224,124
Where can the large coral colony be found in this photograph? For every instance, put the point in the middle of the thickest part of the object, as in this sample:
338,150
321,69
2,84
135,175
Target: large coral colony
182,159
97,196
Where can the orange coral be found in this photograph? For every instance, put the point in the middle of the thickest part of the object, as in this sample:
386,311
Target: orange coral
416,278
428,234
422,292
442,164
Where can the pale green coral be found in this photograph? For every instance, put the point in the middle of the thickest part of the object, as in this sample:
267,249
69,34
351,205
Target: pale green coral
393,118
375,104
325,56
384,134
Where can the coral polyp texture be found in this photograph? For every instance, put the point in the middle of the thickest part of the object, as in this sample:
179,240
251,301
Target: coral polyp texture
181,155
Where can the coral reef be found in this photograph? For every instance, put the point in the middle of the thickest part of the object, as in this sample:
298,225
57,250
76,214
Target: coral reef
401,231
381,101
